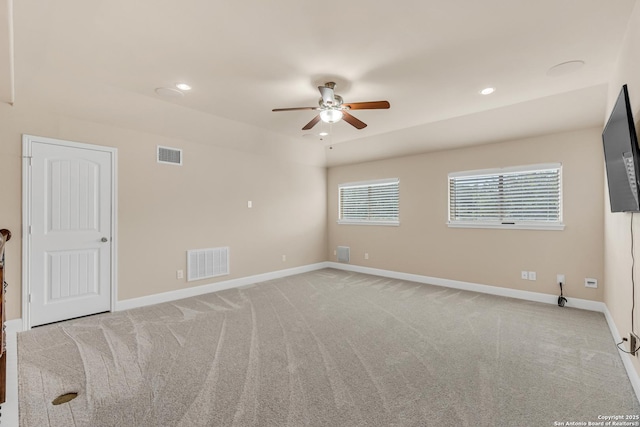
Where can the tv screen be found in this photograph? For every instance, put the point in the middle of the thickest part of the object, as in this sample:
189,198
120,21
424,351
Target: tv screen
622,156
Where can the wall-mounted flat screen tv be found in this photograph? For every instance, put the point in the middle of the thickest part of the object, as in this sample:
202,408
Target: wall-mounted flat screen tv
622,156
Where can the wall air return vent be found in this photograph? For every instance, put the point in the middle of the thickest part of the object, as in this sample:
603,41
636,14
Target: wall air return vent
343,253
170,156
206,263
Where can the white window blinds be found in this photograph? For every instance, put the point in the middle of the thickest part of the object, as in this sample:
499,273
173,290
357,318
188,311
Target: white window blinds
526,197
370,202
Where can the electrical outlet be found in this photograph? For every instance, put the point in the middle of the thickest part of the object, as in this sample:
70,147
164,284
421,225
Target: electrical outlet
249,204
179,274
633,343
284,258
366,255
532,275
524,275
560,279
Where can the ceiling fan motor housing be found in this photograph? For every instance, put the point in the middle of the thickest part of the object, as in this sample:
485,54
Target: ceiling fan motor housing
337,102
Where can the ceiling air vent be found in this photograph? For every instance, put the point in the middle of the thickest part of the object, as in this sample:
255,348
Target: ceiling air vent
168,155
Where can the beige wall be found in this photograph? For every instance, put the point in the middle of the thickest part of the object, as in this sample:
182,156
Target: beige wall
617,226
423,244
165,210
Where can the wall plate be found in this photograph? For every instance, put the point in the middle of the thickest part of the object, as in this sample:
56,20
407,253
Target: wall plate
590,283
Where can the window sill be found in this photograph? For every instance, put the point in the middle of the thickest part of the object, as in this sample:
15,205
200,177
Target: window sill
385,223
552,227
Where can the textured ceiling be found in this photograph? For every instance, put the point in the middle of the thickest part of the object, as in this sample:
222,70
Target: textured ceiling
102,60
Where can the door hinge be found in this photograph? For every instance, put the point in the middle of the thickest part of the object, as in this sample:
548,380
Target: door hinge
28,157
30,230
29,298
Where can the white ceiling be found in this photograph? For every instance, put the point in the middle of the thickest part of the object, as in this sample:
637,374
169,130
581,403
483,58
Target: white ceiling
102,59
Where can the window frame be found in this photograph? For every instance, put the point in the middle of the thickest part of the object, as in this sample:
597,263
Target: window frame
506,223
369,183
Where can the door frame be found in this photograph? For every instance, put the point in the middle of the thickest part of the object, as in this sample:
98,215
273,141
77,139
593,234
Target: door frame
27,141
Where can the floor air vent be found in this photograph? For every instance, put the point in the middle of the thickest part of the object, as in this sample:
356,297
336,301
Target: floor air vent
206,263
343,253
168,155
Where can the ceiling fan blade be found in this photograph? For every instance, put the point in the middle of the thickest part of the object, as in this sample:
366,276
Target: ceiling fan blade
372,105
295,109
358,124
312,123
328,96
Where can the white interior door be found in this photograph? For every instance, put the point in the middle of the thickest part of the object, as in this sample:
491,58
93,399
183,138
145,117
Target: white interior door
69,230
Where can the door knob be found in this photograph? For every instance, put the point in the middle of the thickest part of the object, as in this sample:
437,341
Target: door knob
104,239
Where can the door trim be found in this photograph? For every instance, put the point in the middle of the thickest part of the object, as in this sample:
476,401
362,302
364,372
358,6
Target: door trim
27,141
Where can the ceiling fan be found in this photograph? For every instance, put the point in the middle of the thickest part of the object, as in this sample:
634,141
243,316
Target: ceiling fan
332,108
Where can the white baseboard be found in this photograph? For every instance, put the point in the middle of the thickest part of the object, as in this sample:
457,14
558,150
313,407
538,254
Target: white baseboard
456,284
10,406
475,287
626,357
214,287
13,326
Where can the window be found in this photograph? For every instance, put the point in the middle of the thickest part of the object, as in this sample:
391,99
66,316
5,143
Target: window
370,202
520,197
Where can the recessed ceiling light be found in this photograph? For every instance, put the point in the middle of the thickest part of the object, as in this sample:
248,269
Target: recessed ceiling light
488,90
183,86
323,133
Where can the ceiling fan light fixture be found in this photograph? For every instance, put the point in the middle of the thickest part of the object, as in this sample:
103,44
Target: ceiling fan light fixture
331,116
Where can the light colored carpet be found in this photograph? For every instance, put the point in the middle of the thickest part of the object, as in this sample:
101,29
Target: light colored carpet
326,348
